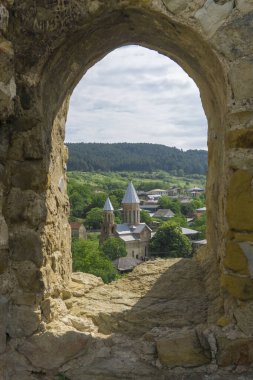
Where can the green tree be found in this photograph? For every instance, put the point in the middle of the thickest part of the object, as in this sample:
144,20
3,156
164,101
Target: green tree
80,197
200,225
198,203
170,242
94,218
116,197
187,209
114,248
88,258
145,217
98,200
166,202
180,220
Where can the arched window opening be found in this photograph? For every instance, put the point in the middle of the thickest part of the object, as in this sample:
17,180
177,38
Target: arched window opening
137,116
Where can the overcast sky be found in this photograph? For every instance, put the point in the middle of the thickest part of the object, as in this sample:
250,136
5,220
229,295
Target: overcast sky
137,95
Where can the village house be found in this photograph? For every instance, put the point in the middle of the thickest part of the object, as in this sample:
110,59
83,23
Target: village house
78,230
196,192
200,211
174,191
157,193
132,232
164,214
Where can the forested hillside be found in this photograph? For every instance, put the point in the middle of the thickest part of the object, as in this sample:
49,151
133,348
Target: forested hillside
138,157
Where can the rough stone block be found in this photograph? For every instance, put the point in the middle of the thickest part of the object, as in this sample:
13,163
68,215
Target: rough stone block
4,18
29,175
240,201
26,206
181,348
21,297
239,287
175,5
52,349
4,257
237,352
244,6
240,158
3,323
22,321
28,275
241,79
26,245
240,138
213,15
235,259
247,248
4,143
53,309
4,234
244,318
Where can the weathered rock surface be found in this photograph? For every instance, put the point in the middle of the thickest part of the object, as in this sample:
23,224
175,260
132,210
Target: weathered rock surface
53,348
155,294
182,348
151,324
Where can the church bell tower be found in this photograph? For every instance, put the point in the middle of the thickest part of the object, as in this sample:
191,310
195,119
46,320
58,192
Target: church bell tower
108,225
131,206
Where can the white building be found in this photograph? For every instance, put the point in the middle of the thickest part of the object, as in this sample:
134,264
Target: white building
132,232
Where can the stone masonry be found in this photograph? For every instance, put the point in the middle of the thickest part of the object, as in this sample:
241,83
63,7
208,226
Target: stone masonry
46,46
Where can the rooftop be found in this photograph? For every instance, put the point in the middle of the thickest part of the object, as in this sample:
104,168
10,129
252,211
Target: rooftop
188,231
108,206
126,229
164,213
130,195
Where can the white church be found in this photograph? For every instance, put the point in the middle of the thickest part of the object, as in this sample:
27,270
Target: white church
136,235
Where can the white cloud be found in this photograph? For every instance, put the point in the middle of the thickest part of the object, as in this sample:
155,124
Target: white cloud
137,95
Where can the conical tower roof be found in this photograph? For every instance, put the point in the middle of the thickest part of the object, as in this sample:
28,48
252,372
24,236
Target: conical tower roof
108,206
130,195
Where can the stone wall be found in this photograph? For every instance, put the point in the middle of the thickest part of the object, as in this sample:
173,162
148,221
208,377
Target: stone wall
46,46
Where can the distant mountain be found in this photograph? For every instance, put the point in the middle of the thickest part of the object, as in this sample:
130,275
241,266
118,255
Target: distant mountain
135,157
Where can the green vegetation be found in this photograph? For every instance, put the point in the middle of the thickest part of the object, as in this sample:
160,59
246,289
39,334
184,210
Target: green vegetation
146,218
87,257
94,218
137,157
168,203
200,225
170,242
89,190
113,248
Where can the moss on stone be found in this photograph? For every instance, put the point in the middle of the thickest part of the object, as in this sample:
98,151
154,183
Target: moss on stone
240,138
239,287
223,321
240,201
235,259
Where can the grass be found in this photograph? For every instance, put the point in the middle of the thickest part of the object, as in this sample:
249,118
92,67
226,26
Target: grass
104,181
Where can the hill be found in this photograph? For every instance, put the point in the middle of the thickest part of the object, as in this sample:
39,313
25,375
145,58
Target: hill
135,157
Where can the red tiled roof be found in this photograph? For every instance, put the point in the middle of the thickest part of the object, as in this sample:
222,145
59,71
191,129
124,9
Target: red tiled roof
75,225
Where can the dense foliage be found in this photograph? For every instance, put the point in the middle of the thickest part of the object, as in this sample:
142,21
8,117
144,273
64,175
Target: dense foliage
170,242
137,157
89,190
145,217
199,224
94,218
113,248
87,257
